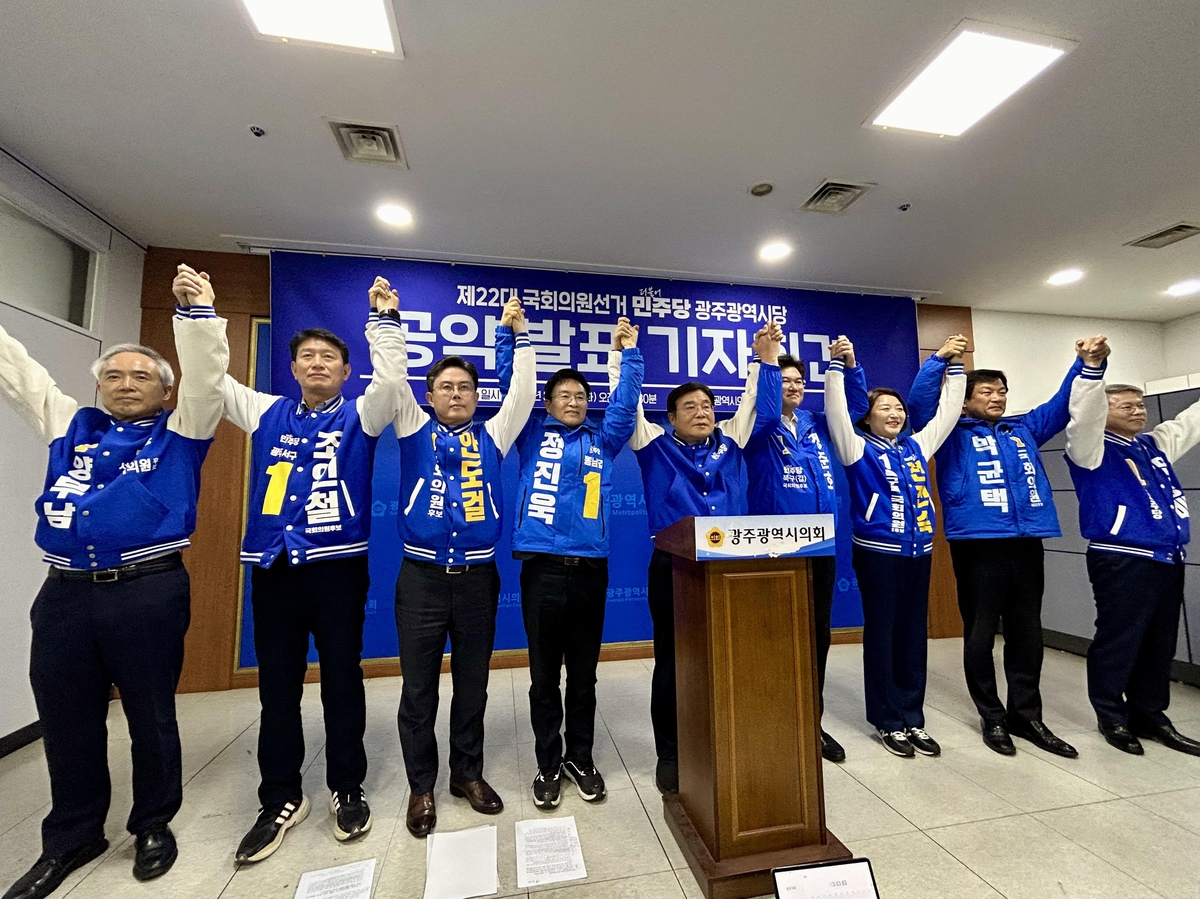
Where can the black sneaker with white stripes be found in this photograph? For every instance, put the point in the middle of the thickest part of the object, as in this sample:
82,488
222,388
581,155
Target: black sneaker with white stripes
352,815
547,789
587,781
896,742
268,831
922,742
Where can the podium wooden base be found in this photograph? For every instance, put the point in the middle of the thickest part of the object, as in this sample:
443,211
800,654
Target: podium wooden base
746,875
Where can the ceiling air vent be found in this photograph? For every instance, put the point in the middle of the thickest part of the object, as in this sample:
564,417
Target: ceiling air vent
377,144
835,197
1166,236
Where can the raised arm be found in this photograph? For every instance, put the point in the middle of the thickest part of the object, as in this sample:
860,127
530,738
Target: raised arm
1088,407
203,350
926,390
621,416
768,399
506,425
644,431
847,442
741,427
954,391
32,393
377,406
1052,416
1180,434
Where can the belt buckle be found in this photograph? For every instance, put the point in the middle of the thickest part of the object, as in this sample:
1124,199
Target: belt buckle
570,560
457,569
107,576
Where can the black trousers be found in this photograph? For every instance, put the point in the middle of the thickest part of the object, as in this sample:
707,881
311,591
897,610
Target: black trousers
824,573
328,600
86,638
660,593
895,596
1138,602
432,605
563,608
1002,579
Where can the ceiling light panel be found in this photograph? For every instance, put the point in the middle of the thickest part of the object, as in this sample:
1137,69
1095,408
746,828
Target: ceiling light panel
365,25
1185,288
1066,276
975,70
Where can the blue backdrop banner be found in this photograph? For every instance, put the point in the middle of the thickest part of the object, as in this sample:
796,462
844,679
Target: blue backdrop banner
690,330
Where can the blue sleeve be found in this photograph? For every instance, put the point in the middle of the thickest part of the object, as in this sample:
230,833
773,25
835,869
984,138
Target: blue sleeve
505,347
1052,416
768,404
855,380
621,416
925,392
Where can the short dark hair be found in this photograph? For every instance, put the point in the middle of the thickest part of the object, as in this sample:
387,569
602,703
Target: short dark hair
786,361
566,374
984,376
684,389
319,334
451,362
872,396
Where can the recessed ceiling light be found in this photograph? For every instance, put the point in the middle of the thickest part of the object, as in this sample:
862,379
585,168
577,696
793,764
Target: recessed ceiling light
1066,276
975,70
394,215
360,24
761,189
774,250
1185,288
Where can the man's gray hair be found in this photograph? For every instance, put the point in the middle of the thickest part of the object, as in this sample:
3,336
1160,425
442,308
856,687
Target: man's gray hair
1113,389
165,373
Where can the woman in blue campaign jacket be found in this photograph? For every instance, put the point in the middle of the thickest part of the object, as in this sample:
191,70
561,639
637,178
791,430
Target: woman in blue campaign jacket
893,523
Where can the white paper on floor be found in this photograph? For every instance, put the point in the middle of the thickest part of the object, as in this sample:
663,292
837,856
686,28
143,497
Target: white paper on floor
548,851
351,881
461,864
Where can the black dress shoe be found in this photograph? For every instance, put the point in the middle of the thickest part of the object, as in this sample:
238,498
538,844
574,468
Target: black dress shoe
666,776
48,872
1169,737
1122,738
156,852
480,794
831,749
422,814
995,736
1040,736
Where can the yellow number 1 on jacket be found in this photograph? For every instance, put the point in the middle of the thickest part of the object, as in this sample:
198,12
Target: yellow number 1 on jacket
273,501
591,499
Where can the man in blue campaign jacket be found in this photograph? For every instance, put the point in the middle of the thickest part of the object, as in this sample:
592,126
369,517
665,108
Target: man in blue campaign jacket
309,517
118,505
561,534
451,509
998,507
696,469
1133,510
790,472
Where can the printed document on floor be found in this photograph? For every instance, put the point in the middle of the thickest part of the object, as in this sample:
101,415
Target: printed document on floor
461,864
351,881
548,851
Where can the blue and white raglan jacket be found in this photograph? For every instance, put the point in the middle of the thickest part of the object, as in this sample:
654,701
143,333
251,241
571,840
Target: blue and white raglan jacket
990,474
790,466
119,492
451,493
681,479
890,501
1130,501
566,473
310,469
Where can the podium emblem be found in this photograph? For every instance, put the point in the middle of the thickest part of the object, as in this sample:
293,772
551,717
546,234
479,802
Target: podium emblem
715,537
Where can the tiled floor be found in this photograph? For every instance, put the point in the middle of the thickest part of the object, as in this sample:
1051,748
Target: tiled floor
969,823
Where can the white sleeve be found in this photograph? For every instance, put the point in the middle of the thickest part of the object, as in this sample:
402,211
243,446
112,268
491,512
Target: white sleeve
847,442
377,406
32,393
741,425
1088,406
506,425
203,350
954,391
410,417
243,406
1180,434
643,431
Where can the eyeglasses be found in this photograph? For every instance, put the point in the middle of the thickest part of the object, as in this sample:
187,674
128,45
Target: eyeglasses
1131,407
568,398
793,382
448,389
696,407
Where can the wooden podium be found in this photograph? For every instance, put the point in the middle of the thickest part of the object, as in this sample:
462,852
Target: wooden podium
751,795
